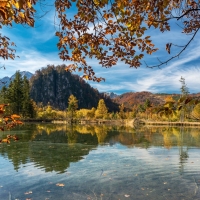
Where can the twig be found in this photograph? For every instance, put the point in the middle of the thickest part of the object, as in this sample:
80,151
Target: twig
177,55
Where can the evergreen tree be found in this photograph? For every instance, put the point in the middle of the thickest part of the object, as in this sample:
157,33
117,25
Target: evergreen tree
27,104
18,96
15,94
3,95
184,88
184,93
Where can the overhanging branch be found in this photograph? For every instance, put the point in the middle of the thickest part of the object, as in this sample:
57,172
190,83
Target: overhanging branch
177,55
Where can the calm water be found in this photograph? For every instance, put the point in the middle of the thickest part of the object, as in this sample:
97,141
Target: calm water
100,162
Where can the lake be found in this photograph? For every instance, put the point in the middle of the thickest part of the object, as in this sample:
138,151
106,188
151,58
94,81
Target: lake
59,162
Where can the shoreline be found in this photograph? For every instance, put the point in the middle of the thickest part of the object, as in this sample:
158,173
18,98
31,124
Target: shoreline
126,122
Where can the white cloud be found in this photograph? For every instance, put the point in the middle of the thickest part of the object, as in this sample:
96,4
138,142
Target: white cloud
155,80
30,60
36,50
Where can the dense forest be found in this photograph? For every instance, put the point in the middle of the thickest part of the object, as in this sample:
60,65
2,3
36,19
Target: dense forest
53,86
54,93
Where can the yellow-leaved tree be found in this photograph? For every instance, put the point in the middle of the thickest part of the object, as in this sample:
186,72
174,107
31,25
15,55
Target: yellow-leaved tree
111,31
115,31
101,111
18,11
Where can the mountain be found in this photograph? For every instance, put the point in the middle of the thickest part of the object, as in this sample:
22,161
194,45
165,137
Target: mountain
5,81
112,95
130,99
53,85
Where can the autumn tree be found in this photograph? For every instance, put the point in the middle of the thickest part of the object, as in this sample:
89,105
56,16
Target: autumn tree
196,112
110,31
14,11
121,111
168,109
101,111
72,106
117,30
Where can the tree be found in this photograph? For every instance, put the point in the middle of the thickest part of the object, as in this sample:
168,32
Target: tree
101,111
121,111
184,89
111,31
168,109
3,94
196,112
18,11
15,94
18,96
117,30
147,104
185,108
72,106
27,103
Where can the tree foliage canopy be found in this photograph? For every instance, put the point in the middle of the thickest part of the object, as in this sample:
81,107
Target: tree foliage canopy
18,11
111,31
101,110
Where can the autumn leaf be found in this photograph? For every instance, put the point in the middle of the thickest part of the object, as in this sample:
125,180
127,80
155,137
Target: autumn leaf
168,47
15,116
60,184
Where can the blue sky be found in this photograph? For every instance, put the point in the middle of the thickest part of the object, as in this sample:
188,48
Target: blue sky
37,48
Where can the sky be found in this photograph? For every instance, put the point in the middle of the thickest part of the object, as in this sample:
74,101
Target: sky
37,48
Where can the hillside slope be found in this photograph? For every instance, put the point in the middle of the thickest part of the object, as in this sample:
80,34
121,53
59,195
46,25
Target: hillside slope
54,85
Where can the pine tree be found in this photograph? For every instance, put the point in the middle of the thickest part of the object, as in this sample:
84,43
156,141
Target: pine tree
27,104
3,94
184,88
184,93
18,96
15,94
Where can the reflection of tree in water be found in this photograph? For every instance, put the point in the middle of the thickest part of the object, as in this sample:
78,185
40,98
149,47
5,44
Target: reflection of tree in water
50,156
49,146
72,135
57,157
167,138
133,137
182,152
101,133
16,152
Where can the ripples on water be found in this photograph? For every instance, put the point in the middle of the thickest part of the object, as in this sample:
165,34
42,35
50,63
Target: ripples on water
104,162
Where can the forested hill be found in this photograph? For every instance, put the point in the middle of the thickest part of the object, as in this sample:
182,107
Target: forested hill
54,85
130,99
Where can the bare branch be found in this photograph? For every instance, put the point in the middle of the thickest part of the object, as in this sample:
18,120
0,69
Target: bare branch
177,55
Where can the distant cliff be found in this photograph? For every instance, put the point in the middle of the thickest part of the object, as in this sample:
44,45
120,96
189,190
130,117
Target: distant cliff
54,85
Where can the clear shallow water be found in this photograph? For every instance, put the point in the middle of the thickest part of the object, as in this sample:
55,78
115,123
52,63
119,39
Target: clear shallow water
100,162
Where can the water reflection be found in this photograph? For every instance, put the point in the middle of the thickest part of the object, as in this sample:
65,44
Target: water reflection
50,141
106,162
